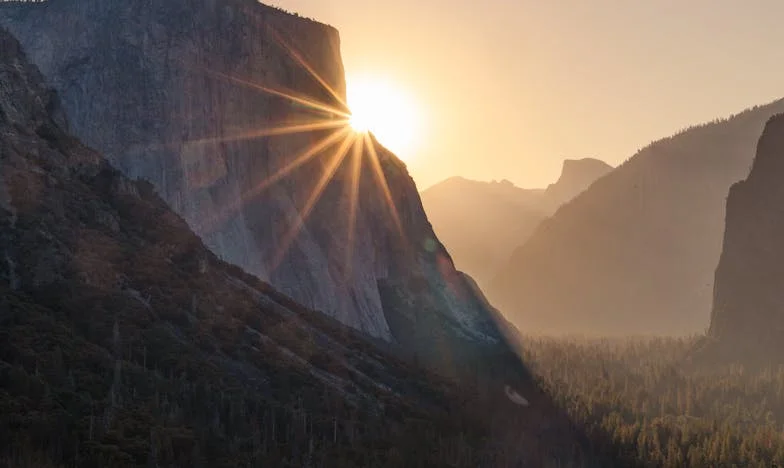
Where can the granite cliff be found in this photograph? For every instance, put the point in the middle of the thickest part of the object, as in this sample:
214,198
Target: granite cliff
748,299
189,95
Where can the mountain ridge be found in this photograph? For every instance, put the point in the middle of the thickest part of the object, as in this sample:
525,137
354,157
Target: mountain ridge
635,253
481,223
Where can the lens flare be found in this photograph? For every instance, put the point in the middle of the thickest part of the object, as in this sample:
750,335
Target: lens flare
379,107
338,134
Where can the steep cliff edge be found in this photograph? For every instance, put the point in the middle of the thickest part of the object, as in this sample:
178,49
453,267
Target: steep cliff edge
184,93
748,303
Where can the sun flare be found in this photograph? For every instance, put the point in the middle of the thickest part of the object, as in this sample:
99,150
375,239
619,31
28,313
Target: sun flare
388,112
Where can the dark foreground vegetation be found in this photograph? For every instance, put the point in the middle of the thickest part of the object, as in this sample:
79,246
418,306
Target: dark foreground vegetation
661,411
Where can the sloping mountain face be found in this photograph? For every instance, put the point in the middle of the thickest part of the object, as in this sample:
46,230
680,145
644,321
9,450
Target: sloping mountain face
482,223
635,252
124,341
748,302
193,95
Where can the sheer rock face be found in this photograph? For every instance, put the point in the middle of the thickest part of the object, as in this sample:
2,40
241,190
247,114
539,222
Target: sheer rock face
748,304
176,93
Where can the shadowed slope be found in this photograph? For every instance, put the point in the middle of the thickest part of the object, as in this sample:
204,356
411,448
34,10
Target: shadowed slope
747,322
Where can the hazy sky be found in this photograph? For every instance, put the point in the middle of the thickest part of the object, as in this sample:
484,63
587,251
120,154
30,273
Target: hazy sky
510,88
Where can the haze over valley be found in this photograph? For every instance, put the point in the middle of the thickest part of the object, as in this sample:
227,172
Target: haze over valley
482,223
232,234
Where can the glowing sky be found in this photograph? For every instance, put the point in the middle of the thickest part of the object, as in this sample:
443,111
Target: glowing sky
511,87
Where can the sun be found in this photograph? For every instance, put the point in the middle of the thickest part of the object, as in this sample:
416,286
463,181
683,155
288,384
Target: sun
388,112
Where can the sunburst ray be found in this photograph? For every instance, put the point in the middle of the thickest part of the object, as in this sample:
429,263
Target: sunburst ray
382,182
309,153
356,175
304,213
273,131
297,56
305,101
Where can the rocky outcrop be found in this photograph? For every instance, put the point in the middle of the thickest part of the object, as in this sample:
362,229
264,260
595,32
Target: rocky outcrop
748,301
187,94
636,252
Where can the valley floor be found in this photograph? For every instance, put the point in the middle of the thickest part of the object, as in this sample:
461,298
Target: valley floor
660,412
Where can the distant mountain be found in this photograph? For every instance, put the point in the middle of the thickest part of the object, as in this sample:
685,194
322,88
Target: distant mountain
576,176
747,321
481,223
635,252
125,342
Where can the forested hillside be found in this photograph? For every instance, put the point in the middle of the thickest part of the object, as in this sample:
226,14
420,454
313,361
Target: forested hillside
658,408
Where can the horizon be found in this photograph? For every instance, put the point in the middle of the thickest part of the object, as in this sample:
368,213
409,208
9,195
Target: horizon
654,69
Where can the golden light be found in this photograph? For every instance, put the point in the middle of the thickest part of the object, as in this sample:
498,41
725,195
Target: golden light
379,107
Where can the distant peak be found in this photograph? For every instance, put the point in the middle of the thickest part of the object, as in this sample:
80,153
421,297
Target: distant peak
455,180
584,164
582,170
